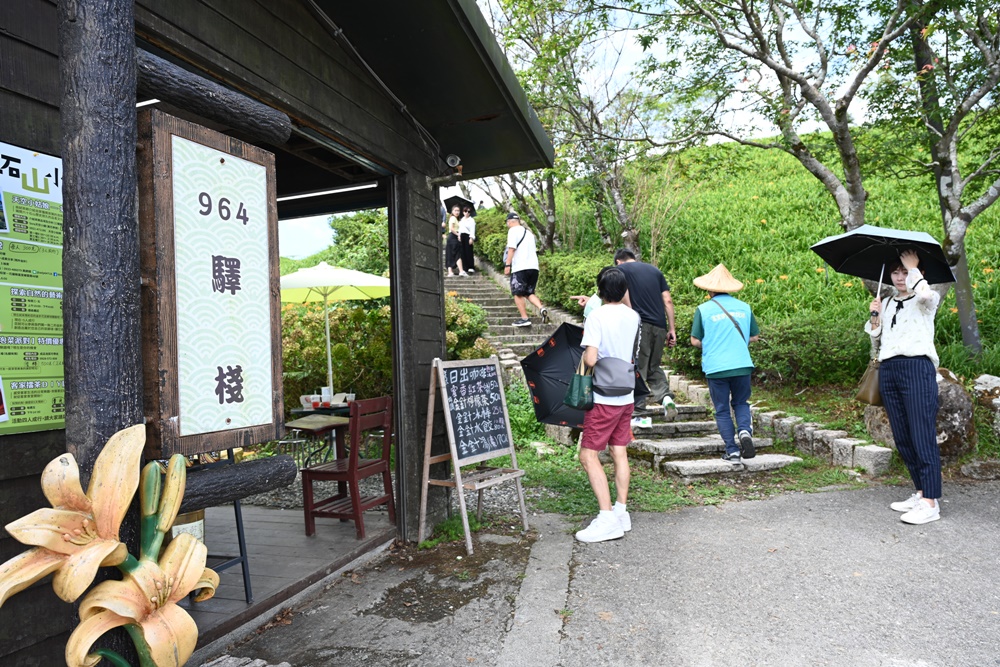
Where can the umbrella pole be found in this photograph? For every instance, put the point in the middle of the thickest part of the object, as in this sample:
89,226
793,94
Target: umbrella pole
329,357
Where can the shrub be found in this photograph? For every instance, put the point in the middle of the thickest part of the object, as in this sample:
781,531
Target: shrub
361,350
465,323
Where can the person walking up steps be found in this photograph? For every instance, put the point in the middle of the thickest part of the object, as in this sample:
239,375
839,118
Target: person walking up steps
521,264
723,328
649,295
608,335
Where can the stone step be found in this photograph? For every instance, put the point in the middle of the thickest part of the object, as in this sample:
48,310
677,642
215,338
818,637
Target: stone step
677,429
656,451
700,468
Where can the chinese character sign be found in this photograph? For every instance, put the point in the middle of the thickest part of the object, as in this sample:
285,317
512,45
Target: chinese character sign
31,291
476,409
223,296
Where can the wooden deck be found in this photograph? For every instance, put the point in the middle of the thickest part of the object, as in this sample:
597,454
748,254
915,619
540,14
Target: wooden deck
283,561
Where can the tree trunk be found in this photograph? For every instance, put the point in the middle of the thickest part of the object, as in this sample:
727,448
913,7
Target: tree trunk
101,303
923,61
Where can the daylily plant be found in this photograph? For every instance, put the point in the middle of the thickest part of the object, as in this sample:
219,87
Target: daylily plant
80,533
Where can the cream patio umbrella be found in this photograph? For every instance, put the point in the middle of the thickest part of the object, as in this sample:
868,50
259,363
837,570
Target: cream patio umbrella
328,283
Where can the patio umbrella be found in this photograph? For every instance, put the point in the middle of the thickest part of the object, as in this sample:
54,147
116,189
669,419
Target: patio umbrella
548,371
461,202
328,283
864,251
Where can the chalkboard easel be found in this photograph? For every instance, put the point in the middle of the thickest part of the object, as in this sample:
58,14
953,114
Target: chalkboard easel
475,416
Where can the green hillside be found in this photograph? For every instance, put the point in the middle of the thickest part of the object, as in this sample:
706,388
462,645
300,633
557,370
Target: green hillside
758,212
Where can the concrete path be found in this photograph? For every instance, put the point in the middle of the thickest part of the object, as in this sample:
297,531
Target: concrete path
802,579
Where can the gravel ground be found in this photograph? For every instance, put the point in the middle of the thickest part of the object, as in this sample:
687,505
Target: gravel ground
497,500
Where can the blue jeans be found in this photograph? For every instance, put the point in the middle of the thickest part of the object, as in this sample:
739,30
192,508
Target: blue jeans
733,391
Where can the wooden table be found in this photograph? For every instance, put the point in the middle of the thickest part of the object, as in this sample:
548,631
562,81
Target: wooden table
318,425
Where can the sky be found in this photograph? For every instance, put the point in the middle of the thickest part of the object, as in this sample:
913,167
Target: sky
302,237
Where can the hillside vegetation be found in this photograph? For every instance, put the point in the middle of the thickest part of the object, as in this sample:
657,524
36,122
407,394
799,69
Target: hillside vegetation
758,212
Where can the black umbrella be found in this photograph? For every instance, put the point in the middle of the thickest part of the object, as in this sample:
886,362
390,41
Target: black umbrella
864,251
548,371
460,202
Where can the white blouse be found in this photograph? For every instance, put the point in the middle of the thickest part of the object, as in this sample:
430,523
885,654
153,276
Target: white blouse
907,325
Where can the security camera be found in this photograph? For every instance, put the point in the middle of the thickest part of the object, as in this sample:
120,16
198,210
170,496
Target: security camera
453,160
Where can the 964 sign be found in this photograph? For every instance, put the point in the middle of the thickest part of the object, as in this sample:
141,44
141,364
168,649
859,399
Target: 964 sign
217,258
225,211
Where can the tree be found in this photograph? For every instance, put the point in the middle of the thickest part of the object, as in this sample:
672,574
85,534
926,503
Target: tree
734,67
948,73
597,110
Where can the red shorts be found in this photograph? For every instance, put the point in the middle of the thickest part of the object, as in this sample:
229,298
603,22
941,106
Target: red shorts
607,425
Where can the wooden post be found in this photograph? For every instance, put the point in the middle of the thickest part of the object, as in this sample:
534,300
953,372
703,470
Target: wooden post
101,239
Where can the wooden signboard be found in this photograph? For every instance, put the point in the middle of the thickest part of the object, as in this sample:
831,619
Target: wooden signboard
211,312
475,417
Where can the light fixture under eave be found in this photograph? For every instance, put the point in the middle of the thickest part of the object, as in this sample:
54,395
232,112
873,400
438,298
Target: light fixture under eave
349,188
146,103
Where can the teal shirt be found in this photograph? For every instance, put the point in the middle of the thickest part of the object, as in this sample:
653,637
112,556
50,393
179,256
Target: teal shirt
724,352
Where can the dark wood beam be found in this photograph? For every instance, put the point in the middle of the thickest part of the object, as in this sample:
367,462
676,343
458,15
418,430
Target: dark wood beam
163,80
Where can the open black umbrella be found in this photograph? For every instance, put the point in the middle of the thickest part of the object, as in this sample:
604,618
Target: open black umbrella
863,252
548,371
460,202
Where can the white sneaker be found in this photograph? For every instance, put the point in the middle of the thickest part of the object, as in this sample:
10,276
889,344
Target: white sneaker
624,519
908,504
922,513
601,529
669,408
642,422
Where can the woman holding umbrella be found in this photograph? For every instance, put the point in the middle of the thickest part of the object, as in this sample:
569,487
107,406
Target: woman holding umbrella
908,382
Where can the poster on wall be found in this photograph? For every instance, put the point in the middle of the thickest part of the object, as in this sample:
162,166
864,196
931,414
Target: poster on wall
32,391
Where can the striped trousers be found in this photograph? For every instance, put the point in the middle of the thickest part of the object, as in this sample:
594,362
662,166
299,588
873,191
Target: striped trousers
910,396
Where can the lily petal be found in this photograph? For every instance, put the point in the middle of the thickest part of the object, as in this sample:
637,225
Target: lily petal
206,585
171,634
115,479
89,631
124,598
79,571
61,484
184,562
53,529
25,569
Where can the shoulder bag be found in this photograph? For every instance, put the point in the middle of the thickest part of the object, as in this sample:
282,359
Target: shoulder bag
507,250
868,391
616,377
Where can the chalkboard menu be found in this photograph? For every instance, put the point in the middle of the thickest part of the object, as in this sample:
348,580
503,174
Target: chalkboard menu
475,416
475,409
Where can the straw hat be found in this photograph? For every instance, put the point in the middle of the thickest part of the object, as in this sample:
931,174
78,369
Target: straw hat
718,279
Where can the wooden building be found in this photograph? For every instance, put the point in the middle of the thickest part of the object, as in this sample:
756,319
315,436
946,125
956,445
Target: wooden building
378,95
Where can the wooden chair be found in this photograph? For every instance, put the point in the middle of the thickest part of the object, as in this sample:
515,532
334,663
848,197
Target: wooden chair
365,416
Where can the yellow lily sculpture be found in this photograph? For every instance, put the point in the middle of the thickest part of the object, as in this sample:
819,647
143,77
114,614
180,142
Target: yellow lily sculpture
145,601
80,532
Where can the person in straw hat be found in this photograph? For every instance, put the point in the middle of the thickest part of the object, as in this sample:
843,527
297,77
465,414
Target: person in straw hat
723,328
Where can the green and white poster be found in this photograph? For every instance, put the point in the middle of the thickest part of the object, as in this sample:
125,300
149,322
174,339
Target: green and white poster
222,277
32,391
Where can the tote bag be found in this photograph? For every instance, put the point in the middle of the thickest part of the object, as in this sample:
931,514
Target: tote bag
580,394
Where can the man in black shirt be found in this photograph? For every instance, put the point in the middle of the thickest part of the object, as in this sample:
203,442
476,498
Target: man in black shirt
649,295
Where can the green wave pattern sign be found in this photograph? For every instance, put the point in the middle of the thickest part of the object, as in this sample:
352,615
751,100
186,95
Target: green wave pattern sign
221,273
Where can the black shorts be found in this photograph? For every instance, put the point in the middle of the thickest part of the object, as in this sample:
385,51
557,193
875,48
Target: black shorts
522,283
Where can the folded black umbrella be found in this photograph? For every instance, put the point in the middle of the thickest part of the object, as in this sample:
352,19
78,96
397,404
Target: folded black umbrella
549,370
863,252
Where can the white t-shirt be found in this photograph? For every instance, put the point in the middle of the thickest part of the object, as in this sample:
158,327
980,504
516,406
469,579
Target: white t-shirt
526,256
467,226
611,329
